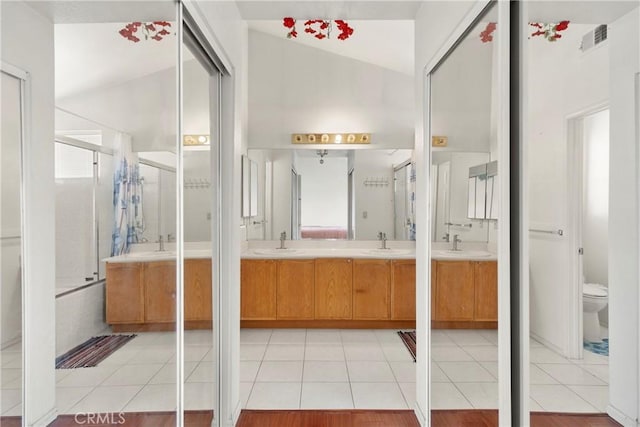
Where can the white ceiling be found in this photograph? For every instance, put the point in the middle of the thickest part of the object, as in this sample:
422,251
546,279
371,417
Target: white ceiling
89,56
579,11
336,9
388,44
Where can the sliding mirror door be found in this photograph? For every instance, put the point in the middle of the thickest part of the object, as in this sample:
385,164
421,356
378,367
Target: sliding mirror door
465,136
200,119
116,222
11,234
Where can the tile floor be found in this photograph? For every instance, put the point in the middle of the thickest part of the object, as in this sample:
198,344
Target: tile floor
328,369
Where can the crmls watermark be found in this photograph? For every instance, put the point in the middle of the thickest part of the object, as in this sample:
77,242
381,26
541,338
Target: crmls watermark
89,418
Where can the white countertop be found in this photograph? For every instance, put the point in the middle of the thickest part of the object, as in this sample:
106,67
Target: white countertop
303,249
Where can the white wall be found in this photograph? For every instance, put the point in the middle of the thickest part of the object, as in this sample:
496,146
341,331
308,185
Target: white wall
145,108
324,191
33,52
461,93
282,161
295,88
434,24
197,200
376,201
624,45
582,79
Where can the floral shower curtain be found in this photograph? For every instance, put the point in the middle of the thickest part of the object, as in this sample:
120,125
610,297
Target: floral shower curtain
127,198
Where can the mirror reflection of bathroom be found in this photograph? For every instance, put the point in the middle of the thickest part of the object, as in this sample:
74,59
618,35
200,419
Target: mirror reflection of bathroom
464,224
11,241
115,199
579,205
369,191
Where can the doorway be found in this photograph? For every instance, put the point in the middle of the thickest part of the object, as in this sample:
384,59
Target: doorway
589,164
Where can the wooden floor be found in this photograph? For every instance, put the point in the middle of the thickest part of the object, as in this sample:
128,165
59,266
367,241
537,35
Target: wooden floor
346,418
440,418
343,418
129,419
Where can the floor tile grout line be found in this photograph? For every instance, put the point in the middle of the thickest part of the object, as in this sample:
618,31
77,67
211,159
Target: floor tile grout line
304,357
344,353
564,382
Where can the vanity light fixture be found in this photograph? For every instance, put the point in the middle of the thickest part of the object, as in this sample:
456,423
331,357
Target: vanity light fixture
192,140
439,141
331,138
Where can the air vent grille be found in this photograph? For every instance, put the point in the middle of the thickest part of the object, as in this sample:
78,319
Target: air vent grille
600,34
594,37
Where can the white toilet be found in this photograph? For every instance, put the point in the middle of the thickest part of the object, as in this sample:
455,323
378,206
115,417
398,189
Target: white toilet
594,298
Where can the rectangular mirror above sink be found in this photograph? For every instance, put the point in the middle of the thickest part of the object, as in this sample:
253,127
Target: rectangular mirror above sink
337,194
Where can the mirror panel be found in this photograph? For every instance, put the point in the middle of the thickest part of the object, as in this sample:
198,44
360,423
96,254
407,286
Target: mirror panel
333,194
11,247
463,251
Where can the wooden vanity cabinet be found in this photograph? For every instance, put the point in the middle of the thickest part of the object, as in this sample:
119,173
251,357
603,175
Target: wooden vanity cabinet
197,290
295,289
125,293
455,291
403,290
464,294
160,291
486,290
371,289
258,289
333,288
141,296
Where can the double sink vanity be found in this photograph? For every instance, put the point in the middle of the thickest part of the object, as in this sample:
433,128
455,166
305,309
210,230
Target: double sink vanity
311,284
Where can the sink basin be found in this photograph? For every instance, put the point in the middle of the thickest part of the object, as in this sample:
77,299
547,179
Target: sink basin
275,251
156,254
390,252
462,254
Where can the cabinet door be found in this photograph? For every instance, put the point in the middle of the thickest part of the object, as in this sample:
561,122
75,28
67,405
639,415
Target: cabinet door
486,284
160,291
403,290
258,289
455,290
197,289
124,293
434,282
333,288
371,287
294,298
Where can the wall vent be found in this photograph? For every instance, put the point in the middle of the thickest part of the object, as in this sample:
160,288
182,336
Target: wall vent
594,38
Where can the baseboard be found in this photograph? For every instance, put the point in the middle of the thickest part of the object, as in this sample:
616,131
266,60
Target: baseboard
547,343
45,420
620,417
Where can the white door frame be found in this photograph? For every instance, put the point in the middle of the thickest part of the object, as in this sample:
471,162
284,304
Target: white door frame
424,233
575,186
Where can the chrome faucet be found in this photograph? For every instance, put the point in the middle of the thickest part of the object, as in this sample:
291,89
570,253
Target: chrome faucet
160,243
283,237
383,238
446,237
456,240
170,238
